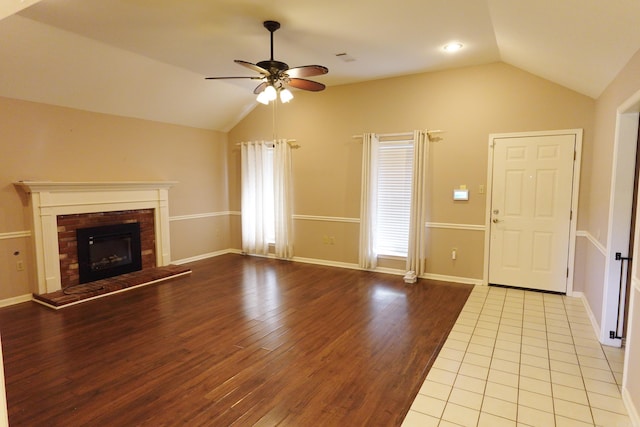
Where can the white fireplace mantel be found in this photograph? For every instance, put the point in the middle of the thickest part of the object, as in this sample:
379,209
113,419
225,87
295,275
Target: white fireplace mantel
50,199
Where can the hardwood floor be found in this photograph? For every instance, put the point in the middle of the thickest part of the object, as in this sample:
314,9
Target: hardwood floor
241,341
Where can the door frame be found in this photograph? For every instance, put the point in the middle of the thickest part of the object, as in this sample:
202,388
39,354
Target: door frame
575,189
620,205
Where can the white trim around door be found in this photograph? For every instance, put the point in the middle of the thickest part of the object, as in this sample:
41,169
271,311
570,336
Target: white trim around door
577,133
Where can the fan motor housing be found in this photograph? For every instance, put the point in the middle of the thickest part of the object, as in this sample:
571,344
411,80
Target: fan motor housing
274,67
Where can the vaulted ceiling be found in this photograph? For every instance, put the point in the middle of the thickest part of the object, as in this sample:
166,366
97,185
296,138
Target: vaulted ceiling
148,58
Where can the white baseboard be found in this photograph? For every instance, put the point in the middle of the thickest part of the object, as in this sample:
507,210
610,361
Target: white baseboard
15,300
634,414
329,263
387,270
454,279
439,277
587,307
325,262
205,256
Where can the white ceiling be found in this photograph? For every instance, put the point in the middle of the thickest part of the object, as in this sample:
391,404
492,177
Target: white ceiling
148,58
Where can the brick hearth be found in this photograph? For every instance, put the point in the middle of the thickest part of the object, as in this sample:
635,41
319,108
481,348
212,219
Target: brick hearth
101,288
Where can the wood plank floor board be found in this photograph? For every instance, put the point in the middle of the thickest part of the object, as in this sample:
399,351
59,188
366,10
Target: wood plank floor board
240,341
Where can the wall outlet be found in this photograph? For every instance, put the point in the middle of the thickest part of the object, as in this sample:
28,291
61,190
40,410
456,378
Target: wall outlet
454,253
329,240
19,265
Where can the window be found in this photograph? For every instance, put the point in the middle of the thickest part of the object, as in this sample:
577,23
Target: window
393,211
266,198
395,169
258,219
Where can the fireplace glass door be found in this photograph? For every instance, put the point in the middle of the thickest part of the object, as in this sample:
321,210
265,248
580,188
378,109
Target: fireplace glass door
108,251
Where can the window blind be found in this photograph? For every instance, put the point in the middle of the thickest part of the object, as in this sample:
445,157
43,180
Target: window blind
395,168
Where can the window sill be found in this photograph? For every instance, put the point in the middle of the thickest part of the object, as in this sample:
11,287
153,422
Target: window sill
393,257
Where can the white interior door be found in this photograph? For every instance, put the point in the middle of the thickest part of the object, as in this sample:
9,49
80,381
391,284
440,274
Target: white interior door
531,199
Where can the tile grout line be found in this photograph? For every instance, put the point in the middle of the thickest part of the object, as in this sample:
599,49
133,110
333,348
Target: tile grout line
484,391
524,301
544,311
475,326
584,384
546,333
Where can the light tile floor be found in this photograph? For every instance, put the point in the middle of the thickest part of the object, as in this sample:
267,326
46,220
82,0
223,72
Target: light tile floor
522,358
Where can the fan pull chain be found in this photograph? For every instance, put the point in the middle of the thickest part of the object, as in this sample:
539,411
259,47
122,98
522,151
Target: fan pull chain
275,121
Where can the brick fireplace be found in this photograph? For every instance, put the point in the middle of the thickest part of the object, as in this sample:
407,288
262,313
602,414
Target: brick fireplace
67,243
59,208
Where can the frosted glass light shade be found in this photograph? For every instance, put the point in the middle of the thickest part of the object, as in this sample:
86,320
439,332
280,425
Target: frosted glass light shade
262,98
285,95
270,93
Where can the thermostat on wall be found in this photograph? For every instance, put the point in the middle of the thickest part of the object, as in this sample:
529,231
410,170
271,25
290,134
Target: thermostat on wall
461,193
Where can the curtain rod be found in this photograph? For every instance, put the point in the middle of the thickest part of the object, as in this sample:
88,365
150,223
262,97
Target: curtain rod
429,132
289,141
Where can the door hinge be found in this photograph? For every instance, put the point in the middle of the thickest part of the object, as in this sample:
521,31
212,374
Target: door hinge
574,155
570,215
567,272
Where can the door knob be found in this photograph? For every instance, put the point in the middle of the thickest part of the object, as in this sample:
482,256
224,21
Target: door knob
495,220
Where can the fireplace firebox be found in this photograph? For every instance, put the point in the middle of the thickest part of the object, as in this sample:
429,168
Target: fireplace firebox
108,251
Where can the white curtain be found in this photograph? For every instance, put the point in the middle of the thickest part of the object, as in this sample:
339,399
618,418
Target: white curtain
416,256
367,257
283,199
255,181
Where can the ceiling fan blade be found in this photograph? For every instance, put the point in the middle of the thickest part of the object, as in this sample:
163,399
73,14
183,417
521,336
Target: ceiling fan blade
222,78
307,71
305,84
260,87
253,67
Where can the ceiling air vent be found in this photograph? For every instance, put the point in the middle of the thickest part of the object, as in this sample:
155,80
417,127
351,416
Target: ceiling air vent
345,57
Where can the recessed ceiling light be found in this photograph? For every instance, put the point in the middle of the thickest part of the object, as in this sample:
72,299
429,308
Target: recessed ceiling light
453,47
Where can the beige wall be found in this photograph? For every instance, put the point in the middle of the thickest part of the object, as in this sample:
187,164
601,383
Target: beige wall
589,275
596,185
599,174
468,103
625,85
44,142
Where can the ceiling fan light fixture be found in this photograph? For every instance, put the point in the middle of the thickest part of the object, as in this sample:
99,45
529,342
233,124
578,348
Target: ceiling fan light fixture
285,96
275,74
262,98
270,93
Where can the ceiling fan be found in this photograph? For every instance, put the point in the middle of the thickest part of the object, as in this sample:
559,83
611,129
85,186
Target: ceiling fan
277,75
